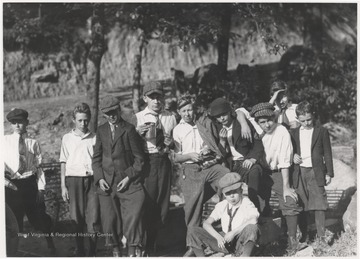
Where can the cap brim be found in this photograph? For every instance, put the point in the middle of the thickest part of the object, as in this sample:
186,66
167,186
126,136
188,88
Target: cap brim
105,110
232,187
154,91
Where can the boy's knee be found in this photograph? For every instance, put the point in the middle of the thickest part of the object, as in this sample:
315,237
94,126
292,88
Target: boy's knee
193,231
250,233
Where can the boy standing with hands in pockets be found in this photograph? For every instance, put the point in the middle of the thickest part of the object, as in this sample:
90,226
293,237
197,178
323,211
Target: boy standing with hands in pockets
118,162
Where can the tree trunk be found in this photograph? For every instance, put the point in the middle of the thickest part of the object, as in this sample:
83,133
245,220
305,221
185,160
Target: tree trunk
96,52
137,74
223,41
313,27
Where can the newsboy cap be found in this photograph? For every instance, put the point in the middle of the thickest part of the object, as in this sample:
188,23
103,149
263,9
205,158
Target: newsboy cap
219,106
109,103
153,87
230,181
262,109
17,115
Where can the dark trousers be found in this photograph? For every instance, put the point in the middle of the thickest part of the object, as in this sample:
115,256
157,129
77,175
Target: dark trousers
27,201
313,198
199,238
252,178
288,207
157,180
121,214
84,203
198,186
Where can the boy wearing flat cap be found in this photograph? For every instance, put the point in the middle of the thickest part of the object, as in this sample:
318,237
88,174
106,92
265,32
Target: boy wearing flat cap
277,161
238,217
117,164
155,126
244,155
22,160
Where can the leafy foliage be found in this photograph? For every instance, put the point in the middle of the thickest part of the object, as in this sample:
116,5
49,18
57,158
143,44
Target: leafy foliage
328,81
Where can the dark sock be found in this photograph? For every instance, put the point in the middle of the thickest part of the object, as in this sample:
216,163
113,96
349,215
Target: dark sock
131,251
80,244
248,248
291,222
303,223
320,222
92,246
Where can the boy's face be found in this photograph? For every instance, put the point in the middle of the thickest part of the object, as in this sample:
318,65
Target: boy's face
19,126
306,120
154,101
282,101
267,124
187,113
113,116
233,197
81,122
225,119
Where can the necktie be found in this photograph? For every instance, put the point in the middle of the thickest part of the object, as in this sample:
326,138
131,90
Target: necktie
113,129
22,155
231,216
159,131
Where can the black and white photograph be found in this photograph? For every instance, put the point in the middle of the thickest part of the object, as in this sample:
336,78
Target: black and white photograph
179,129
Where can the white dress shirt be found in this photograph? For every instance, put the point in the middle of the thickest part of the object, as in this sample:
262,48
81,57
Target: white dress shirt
32,155
246,214
167,123
77,152
278,148
235,155
187,139
305,146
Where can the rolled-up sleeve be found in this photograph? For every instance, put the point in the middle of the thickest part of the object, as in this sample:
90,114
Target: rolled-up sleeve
285,151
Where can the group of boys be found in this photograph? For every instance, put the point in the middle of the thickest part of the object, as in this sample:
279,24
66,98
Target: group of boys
119,180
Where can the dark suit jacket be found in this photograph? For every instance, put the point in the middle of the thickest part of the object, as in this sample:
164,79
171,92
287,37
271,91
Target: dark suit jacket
114,160
248,149
321,155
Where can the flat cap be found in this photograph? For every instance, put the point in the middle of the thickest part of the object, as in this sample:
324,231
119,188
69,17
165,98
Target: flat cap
230,181
153,87
17,114
109,103
262,109
219,106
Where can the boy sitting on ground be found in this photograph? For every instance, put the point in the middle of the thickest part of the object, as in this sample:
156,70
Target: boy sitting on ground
238,217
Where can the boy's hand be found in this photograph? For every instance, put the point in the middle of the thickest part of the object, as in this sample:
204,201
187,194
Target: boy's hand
194,157
246,132
65,194
297,159
276,94
223,134
327,179
142,129
103,185
229,236
123,184
248,163
291,193
221,241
